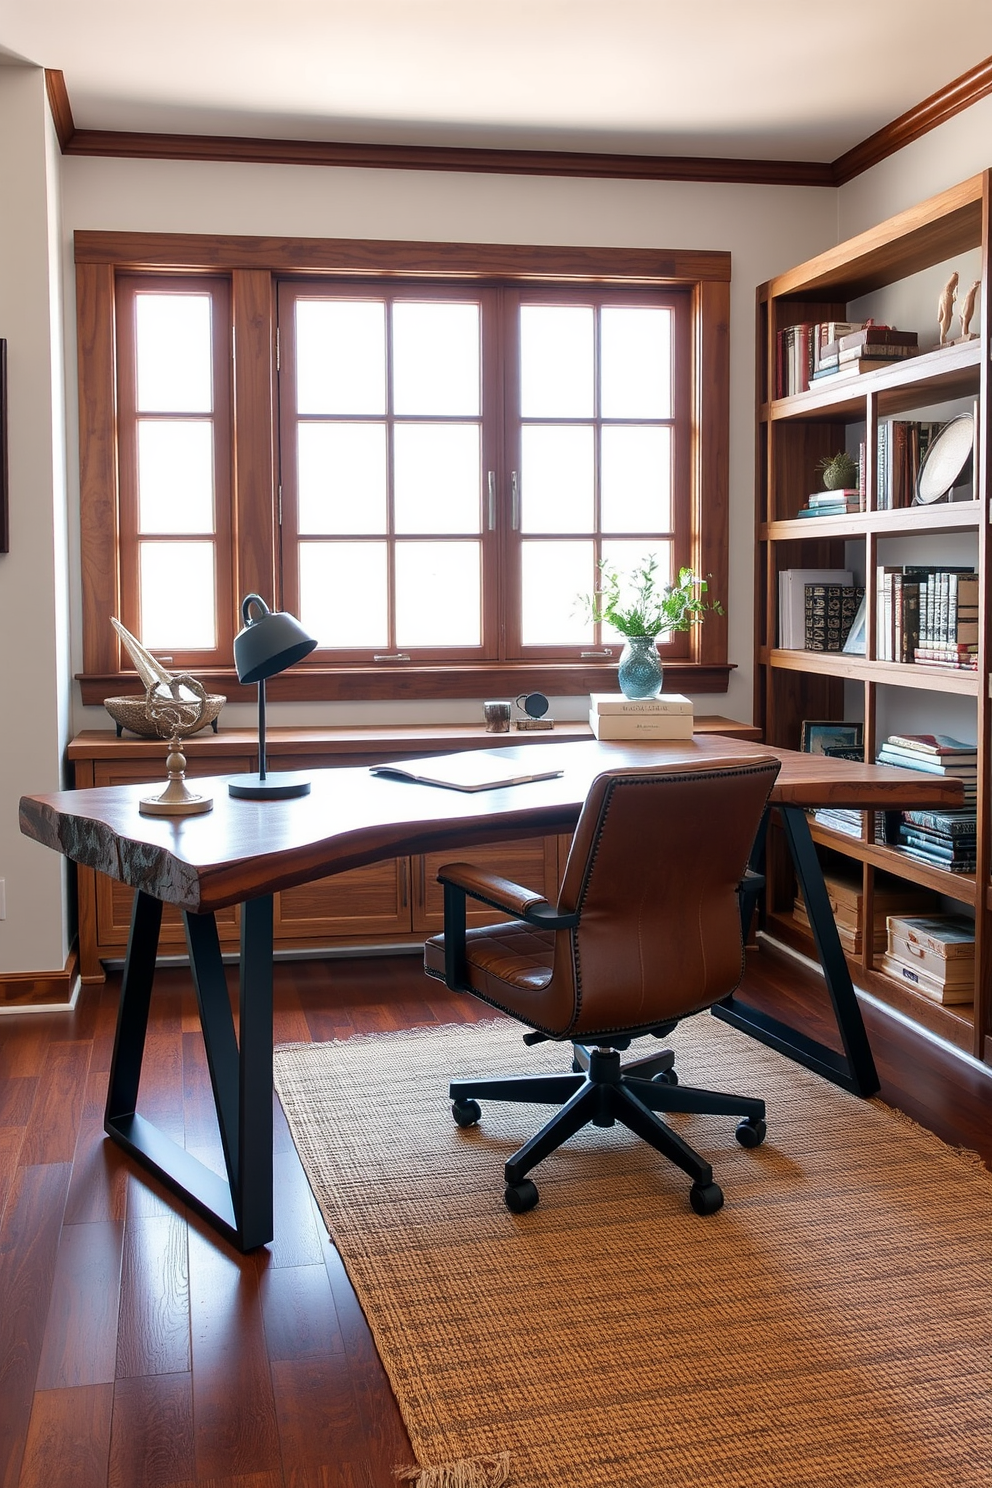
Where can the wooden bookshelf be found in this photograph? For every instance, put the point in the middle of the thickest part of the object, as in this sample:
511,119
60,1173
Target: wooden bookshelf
793,434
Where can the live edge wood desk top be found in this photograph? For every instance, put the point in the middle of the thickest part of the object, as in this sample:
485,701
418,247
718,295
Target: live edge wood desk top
242,849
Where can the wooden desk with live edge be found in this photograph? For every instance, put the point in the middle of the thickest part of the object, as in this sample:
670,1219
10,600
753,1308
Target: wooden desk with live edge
243,851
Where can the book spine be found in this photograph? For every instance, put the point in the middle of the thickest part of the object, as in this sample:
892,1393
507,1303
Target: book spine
615,726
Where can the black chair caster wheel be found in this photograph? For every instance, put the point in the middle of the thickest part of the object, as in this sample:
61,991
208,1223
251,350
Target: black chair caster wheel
466,1113
706,1198
665,1077
519,1197
751,1133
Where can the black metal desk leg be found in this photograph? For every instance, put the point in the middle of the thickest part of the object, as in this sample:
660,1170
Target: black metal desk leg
240,1206
855,1068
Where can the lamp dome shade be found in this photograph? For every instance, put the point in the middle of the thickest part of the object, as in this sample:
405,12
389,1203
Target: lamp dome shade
270,642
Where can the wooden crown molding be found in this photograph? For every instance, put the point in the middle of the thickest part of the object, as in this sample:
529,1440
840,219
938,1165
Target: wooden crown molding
58,102
939,107
912,125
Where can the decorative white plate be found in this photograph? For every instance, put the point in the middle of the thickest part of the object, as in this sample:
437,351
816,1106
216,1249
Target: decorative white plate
945,459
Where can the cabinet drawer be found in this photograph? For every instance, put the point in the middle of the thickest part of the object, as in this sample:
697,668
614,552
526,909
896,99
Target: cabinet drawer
374,900
532,862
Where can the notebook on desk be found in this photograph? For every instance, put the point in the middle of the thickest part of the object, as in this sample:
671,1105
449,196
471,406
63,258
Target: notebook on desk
463,772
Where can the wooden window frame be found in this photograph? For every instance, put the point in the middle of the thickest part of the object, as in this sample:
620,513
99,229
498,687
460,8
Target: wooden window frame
253,267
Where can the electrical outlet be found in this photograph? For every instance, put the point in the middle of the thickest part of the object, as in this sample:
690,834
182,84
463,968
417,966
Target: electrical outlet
3,898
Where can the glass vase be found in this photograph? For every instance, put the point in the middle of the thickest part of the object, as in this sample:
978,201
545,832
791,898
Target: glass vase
640,672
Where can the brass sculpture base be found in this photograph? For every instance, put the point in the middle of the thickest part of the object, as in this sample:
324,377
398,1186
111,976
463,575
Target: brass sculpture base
177,799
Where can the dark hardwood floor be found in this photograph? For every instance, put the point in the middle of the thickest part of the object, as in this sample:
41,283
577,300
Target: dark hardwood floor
139,1351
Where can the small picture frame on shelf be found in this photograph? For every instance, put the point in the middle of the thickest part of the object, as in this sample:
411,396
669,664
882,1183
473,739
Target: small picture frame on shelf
856,642
819,735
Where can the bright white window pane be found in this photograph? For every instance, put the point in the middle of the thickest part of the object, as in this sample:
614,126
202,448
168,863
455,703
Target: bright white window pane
343,593
437,477
173,353
340,356
436,359
628,556
342,478
178,596
554,574
175,476
556,361
557,478
438,594
636,362
637,478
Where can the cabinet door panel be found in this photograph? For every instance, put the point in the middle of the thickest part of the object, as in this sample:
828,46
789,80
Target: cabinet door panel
373,900
532,862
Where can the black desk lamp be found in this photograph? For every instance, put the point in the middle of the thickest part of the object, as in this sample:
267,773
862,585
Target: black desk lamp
269,643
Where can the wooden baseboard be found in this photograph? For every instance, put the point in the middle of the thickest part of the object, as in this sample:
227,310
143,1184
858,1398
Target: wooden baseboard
50,989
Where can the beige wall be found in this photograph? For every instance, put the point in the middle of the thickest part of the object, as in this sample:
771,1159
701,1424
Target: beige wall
34,680
766,229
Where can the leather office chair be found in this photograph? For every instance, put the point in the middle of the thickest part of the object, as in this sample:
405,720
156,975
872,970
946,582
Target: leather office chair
647,930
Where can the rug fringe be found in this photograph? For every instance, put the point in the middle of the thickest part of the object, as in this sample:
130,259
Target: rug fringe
467,1472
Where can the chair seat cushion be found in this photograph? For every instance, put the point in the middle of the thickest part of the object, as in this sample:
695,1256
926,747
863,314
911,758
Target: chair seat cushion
513,952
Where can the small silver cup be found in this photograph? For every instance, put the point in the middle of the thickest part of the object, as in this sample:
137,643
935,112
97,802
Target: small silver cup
497,717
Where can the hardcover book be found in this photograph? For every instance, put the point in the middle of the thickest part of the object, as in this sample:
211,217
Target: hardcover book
615,702
830,612
640,725
931,744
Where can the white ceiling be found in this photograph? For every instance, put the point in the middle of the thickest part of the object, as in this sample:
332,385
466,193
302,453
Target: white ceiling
777,79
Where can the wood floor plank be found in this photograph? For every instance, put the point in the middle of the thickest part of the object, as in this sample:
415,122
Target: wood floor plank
58,1106
233,1408
298,1311
296,1241
151,1443
80,1343
153,1338
69,1427
98,1190
316,1408
29,1242
160,1093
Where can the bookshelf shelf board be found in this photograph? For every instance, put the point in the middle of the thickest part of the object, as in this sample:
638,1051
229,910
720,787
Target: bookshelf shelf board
907,521
915,239
932,377
957,886
952,1023
886,673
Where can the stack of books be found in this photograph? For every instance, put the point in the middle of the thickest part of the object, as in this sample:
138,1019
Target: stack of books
863,349
944,839
847,902
613,716
833,503
935,754
935,954
799,351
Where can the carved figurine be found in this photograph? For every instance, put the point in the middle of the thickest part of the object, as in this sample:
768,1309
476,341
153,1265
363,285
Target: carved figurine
945,307
967,311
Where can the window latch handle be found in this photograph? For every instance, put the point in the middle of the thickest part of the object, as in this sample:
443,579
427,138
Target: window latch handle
390,656
514,501
491,507
605,654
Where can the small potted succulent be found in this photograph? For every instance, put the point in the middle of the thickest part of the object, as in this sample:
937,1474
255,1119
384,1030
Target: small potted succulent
640,607
838,472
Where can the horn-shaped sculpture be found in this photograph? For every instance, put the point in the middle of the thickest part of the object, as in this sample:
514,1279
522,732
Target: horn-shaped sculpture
130,712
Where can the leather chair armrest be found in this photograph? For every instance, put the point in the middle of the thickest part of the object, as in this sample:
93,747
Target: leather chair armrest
501,893
490,888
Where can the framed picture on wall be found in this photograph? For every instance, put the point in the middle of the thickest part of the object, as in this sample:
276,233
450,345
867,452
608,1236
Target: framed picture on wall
4,511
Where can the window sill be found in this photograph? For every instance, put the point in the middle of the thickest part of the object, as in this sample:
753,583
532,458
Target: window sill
389,683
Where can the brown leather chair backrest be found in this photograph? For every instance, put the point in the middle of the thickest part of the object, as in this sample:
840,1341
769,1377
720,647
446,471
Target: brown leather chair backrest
653,870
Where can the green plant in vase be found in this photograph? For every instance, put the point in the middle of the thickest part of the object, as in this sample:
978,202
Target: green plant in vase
641,607
838,472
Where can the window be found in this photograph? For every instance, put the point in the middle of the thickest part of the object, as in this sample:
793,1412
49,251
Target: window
427,463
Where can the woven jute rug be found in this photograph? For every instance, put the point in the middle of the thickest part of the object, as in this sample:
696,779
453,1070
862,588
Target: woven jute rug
831,1326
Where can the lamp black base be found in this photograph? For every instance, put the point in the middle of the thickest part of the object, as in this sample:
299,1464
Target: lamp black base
278,787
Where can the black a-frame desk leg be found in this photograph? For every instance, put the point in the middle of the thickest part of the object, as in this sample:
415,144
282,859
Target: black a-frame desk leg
240,1065
855,1068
